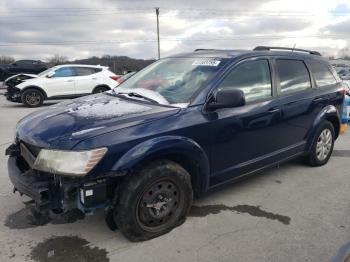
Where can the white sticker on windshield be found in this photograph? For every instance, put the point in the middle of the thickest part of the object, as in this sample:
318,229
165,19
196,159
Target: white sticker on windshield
206,62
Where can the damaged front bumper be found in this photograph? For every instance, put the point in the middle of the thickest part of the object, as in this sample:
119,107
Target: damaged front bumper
52,192
13,94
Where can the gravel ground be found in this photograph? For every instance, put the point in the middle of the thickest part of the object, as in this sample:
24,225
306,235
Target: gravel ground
289,213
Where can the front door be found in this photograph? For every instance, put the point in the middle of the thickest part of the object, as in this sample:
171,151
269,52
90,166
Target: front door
61,83
246,138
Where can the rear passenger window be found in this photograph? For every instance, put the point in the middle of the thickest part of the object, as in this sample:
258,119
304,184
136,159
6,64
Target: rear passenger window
293,76
252,77
322,74
85,71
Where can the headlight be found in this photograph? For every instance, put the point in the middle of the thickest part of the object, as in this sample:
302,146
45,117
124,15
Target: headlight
71,163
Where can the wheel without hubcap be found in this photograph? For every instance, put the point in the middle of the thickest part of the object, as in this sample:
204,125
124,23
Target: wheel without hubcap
159,205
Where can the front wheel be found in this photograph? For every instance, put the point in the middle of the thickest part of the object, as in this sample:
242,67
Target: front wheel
100,89
32,98
322,147
153,201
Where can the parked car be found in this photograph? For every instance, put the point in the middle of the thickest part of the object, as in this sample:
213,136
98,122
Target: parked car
22,66
346,84
143,150
64,81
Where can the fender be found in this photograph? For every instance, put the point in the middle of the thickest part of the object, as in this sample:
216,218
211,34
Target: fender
166,146
34,87
329,112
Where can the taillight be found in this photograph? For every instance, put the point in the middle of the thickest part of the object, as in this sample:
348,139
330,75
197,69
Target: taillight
115,78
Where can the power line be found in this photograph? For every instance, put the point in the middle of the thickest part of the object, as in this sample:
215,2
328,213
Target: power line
239,38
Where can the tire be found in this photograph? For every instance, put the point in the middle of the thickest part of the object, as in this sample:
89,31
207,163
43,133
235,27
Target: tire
32,98
100,89
153,201
322,145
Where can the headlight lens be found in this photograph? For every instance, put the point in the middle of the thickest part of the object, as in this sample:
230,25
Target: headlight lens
71,163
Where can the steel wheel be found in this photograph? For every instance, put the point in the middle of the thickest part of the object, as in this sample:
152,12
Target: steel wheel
158,205
324,144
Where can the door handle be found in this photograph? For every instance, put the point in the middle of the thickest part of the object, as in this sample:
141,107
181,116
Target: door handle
69,81
273,110
94,78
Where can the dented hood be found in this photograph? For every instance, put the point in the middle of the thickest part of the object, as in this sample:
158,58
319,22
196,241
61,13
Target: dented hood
65,124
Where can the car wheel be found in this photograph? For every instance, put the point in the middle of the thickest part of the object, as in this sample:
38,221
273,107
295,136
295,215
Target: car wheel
100,89
322,146
153,201
32,98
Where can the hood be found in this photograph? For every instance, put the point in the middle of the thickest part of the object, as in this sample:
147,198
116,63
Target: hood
65,124
19,78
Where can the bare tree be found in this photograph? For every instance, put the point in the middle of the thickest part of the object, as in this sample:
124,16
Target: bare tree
6,60
345,53
57,60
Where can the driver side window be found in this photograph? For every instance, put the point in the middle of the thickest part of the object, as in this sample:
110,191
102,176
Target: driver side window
64,72
253,78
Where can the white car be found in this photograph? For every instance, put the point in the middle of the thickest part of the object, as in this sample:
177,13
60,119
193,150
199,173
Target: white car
64,81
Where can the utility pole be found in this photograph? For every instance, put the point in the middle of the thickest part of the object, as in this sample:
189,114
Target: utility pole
157,13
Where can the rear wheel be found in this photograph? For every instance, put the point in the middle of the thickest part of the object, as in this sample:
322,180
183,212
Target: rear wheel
322,146
100,89
32,98
153,201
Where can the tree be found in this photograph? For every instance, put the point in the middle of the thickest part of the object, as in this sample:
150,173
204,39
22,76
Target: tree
6,60
345,53
57,60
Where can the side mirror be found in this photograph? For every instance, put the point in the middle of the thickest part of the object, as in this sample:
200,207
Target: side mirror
51,74
227,98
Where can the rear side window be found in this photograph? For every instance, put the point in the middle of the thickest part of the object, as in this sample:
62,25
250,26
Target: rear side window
252,77
293,75
323,76
85,71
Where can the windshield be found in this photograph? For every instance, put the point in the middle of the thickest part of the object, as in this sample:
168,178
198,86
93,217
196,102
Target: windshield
172,81
45,72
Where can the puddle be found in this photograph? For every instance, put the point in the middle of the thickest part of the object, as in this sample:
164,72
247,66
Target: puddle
67,248
256,211
25,218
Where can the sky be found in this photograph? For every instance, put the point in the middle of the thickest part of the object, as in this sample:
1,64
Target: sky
39,29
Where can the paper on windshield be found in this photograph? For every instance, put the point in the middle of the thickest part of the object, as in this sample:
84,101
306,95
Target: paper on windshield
206,62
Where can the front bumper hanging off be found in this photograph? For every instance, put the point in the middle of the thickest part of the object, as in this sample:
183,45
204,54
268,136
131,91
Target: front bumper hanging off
51,192
13,94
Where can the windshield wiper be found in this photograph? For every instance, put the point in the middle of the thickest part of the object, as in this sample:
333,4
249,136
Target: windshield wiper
134,94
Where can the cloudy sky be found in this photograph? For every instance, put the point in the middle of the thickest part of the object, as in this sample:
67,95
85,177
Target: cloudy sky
79,29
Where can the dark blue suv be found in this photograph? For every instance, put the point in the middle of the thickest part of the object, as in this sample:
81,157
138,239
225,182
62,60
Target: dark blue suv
181,126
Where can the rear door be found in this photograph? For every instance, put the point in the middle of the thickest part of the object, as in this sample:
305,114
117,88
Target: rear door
298,99
61,83
86,79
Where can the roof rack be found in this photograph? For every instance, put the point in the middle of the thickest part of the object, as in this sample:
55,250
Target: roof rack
223,50
268,48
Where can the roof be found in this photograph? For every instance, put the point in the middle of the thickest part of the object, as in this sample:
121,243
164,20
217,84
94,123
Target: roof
82,65
217,53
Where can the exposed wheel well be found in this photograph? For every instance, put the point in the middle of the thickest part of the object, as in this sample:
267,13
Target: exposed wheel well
190,165
35,87
99,86
335,122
